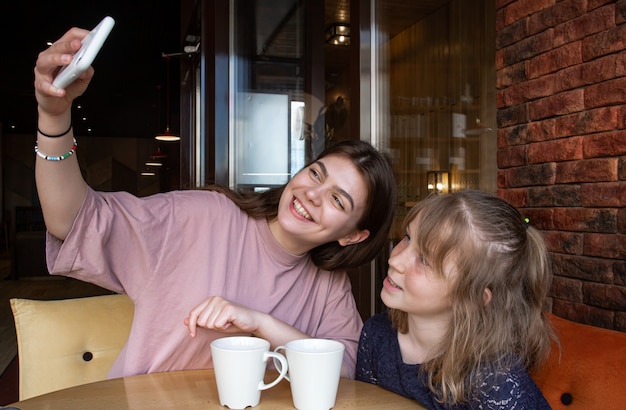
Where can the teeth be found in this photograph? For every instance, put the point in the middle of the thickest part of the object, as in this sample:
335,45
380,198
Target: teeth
300,210
394,284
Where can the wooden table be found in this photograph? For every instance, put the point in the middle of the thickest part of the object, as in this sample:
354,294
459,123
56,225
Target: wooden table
196,389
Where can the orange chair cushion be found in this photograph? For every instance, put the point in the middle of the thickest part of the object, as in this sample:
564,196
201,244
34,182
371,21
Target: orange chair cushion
588,372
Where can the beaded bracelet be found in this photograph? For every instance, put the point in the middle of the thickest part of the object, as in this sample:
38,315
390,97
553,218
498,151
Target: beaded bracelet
59,158
54,136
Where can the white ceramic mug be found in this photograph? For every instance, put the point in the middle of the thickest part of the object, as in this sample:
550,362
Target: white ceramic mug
240,363
314,371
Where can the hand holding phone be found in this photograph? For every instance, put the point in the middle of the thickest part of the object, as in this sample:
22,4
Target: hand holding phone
86,54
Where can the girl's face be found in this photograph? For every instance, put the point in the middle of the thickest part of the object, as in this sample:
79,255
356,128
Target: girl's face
411,284
321,204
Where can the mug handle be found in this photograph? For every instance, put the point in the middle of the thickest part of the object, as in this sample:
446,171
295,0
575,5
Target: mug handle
278,365
283,369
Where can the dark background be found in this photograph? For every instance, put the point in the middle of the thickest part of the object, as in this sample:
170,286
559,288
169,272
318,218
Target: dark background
126,98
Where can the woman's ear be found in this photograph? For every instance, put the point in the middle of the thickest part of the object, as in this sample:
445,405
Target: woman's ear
354,238
487,296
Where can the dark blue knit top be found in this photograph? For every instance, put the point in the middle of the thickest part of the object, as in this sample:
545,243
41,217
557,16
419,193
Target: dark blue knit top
379,361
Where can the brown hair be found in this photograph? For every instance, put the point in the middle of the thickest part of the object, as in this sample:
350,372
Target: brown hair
492,248
377,216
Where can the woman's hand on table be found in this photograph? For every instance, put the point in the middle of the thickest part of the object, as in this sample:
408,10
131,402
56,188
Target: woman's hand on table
217,313
222,315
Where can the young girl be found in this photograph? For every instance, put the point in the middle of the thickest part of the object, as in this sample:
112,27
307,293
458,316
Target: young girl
465,291
205,263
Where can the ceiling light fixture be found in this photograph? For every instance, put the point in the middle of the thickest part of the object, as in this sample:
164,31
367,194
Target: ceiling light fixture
153,164
156,159
167,135
338,34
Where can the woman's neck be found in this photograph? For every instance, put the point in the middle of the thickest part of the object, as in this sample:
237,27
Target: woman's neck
288,242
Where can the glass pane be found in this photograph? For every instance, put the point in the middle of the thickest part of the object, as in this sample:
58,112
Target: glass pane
267,91
199,152
435,95
261,139
433,100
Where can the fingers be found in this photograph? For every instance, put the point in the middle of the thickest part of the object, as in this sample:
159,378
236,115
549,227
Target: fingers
191,321
215,313
60,53
218,314
46,67
48,64
70,42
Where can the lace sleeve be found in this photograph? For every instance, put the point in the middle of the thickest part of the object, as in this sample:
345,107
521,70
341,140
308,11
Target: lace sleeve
511,390
365,359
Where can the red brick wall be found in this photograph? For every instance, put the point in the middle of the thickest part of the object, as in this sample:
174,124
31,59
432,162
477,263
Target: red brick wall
561,95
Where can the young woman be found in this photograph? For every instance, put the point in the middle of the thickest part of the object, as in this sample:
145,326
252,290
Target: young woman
465,291
205,263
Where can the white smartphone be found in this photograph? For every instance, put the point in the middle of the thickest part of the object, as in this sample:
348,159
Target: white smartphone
86,54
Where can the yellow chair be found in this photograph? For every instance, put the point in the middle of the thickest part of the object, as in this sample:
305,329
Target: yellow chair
64,343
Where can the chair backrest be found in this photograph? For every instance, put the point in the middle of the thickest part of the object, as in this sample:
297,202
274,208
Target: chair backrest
589,369
64,343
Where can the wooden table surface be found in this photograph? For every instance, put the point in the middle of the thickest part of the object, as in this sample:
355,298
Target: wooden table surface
196,389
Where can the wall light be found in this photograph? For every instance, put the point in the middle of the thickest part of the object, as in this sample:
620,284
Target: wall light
338,34
477,130
438,182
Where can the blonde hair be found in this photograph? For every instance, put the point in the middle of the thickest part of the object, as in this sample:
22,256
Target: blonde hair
491,247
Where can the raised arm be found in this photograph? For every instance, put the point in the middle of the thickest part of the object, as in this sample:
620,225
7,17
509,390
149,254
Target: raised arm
60,184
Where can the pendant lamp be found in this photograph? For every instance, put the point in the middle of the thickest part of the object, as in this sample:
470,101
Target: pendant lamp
167,135
156,159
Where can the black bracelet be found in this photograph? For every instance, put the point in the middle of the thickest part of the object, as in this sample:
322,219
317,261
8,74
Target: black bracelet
54,136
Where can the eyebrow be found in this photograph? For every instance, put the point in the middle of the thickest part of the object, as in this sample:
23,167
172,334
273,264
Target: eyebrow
342,191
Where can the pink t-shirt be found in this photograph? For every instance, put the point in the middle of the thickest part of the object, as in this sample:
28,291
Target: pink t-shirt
169,252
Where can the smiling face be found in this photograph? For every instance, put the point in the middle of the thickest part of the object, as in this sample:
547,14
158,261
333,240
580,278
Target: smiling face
412,285
321,204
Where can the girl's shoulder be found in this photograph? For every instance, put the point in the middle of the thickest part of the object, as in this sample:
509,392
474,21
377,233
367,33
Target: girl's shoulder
379,320
379,324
